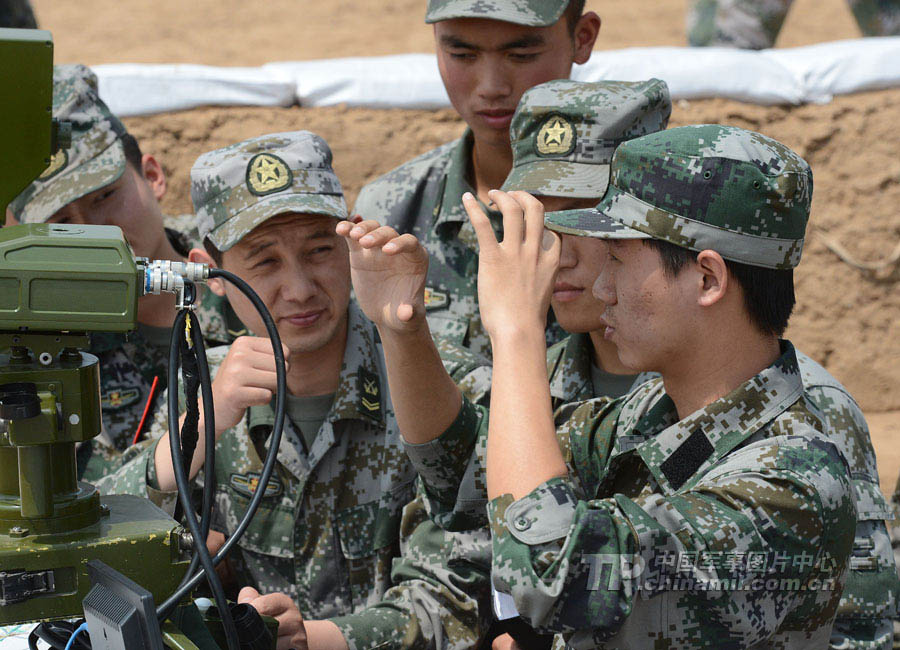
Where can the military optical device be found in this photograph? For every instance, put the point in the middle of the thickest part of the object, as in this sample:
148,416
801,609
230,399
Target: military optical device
57,284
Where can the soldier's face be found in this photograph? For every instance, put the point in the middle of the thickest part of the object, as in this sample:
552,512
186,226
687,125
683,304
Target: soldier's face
301,270
487,65
648,314
131,203
580,262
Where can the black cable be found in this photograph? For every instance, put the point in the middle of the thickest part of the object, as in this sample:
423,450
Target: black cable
169,604
184,494
209,435
190,375
56,634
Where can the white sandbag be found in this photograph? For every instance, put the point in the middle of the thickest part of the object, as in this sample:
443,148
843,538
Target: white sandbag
138,89
697,73
787,76
399,81
828,69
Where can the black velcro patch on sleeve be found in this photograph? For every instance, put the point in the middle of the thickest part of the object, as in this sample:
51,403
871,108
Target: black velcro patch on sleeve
687,459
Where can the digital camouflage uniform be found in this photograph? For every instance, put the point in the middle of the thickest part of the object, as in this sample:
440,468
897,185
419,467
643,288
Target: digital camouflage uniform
339,530
17,14
424,197
128,362
746,487
754,24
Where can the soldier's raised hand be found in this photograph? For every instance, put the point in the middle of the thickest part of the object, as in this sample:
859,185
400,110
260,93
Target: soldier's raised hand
388,271
515,276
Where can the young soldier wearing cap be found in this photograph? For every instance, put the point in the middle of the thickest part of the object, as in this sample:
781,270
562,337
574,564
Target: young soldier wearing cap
329,531
579,366
104,179
489,53
699,489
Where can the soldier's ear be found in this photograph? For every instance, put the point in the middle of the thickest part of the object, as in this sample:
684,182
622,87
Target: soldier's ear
200,256
713,277
153,173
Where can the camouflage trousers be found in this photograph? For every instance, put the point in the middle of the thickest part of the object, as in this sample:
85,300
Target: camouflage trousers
754,24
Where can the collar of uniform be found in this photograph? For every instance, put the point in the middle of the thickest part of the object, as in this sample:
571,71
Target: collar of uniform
571,371
456,183
360,356
676,451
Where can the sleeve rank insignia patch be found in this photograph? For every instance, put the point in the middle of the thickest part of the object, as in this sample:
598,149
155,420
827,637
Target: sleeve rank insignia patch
246,485
369,392
556,137
435,299
121,398
267,173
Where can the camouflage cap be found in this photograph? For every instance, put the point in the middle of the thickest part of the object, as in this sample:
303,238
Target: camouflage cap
236,188
533,13
737,192
564,133
95,159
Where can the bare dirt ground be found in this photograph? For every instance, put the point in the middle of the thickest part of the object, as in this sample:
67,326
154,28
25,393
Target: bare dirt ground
845,318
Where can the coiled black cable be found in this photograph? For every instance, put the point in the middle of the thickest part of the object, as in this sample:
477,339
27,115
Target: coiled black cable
169,604
184,490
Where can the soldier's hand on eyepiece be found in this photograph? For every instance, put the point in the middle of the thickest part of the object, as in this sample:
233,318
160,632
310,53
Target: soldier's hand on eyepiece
388,271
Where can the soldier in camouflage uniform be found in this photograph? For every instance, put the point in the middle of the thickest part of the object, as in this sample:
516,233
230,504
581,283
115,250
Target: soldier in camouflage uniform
335,517
754,24
17,14
694,493
104,179
485,65
868,599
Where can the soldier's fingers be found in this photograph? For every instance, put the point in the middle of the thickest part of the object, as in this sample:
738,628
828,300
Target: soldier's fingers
263,346
378,237
534,217
363,228
343,228
513,216
406,244
247,595
273,605
483,231
253,396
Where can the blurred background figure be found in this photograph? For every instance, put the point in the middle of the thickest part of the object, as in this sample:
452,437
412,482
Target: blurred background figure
17,13
754,24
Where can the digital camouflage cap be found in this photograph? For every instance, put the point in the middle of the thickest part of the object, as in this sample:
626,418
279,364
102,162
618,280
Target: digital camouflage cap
564,133
236,188
95,159
739,193
533,13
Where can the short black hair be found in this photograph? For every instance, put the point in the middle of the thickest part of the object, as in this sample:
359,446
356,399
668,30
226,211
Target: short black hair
214,252
768,293
133,153
573,14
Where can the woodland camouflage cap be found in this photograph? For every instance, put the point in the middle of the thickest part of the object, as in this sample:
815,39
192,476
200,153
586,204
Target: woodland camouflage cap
236,188
737,192
564,133
95,159
533,13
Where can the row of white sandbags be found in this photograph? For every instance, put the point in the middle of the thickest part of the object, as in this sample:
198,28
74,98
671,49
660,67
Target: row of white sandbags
779,76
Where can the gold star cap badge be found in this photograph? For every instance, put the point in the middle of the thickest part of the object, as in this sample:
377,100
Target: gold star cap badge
556,137
267,173
58,162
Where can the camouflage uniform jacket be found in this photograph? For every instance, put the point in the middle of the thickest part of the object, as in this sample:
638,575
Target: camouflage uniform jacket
128,364
334,522
686,511
872,589
424,197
